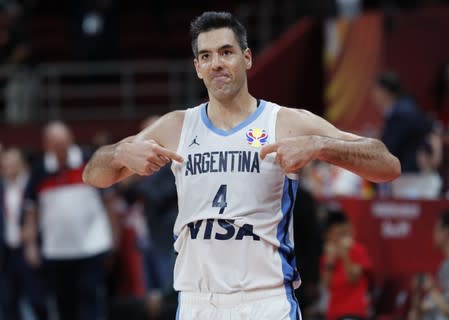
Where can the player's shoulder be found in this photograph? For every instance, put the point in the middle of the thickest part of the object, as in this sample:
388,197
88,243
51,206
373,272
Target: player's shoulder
289,112
294,116
176,115
165,125
296,121
166,130
172,119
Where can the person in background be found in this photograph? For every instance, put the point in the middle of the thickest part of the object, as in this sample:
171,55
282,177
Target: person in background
405,128
345,270
21,280
307,232
411,136
430,295
160,201
73,224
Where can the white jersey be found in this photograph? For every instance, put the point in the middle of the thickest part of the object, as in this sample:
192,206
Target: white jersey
234,228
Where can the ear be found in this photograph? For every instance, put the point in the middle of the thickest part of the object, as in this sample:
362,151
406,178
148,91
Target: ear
248,56
197,68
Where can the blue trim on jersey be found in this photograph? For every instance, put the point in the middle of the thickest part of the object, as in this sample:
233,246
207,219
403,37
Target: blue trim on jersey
241,125
295,312
286,250
178,311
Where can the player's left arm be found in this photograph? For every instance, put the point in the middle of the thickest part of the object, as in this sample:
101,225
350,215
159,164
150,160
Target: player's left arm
302,137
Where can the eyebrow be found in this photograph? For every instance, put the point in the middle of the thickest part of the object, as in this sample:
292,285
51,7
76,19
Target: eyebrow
226,46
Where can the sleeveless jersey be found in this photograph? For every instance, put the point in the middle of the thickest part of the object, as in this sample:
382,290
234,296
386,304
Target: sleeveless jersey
234,227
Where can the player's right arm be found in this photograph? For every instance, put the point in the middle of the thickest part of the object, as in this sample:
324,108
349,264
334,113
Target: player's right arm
142,154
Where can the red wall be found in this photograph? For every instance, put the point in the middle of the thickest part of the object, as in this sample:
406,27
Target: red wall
290,71
415,45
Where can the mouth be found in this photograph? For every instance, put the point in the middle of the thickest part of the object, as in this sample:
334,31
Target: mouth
220,77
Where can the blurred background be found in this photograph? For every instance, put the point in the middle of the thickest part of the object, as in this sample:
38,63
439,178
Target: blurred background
104,69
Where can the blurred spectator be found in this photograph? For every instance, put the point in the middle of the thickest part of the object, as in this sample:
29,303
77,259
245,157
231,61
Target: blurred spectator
308,235
160,208
345,270
127,277
21,280
411,136
405,127
15,52
430,297
74,227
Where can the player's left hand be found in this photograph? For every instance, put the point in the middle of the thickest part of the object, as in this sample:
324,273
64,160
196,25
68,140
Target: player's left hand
293,153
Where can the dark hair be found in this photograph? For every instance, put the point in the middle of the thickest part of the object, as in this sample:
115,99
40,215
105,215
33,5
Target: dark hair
211,20
335,217
389,81
444,218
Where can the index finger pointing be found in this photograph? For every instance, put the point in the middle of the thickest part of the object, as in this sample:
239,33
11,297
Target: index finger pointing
267,149
170,154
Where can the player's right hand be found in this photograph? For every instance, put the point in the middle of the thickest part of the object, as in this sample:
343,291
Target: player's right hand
144,157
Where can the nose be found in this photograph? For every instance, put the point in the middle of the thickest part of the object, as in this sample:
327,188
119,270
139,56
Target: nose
216,61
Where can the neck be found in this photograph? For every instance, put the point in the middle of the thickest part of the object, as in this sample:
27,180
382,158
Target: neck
227,113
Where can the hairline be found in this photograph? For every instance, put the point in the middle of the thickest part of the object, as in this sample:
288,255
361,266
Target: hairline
196,52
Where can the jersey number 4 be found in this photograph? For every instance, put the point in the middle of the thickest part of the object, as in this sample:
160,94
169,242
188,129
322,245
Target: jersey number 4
220,198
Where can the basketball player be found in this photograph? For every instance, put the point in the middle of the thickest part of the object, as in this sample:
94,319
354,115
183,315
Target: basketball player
233,160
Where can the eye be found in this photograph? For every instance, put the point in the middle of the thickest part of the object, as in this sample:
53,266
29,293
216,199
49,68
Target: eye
227,52
204,56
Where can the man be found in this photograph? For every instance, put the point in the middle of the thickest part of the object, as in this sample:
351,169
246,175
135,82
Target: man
21,280
235,250
345,270
74,227
405,129
411,136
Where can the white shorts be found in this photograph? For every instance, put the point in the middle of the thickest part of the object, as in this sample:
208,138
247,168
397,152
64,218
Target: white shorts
271,304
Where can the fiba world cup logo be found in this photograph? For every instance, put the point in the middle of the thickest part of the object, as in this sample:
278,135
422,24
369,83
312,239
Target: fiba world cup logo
256,137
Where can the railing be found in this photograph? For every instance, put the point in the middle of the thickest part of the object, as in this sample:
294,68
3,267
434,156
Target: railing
122,90
97,90
266,19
